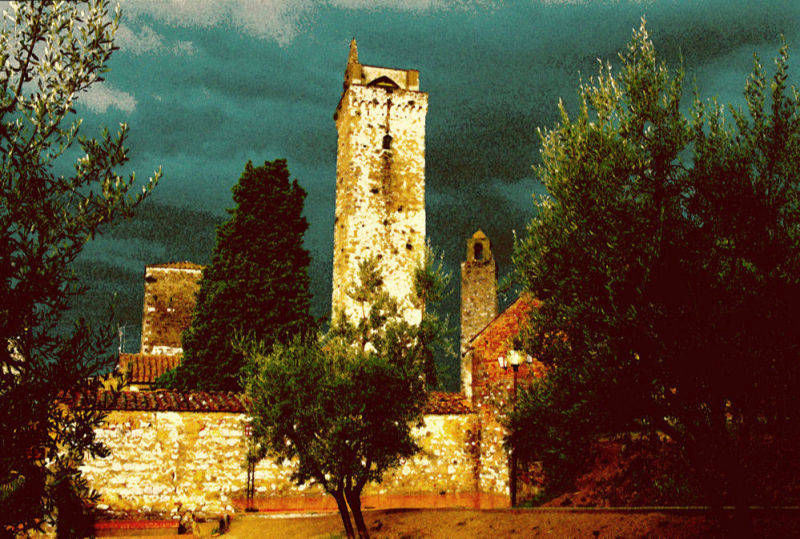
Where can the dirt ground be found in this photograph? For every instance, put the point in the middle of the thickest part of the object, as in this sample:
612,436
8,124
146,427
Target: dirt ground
441,523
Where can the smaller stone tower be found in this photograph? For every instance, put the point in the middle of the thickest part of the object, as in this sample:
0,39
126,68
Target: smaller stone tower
478,298
169,300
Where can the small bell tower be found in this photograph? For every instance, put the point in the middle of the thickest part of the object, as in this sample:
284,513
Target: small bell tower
478,297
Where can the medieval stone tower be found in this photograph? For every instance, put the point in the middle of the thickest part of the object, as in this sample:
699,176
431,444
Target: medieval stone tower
478,297
169,300
380,179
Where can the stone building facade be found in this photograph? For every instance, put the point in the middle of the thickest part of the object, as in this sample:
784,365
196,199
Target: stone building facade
169,301
492,342
478,298
380,179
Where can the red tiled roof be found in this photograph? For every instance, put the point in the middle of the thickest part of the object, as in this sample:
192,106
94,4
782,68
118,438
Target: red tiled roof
439,403
506,324
161,401
495,340
178,265
145,368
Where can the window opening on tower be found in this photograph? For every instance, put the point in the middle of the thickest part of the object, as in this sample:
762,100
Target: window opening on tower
387,142
478,251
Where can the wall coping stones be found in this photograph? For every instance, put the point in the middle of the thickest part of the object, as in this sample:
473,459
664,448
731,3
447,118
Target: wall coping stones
439,402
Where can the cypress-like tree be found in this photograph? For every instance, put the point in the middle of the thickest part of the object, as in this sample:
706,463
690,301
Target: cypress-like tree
256,285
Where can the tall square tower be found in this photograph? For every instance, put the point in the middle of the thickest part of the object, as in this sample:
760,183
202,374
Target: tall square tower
380,180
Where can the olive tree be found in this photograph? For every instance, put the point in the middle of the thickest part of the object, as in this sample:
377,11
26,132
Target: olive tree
51,52
343,406
666,254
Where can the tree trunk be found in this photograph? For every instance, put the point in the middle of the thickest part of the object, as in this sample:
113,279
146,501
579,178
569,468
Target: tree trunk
354,501
739,480
344,513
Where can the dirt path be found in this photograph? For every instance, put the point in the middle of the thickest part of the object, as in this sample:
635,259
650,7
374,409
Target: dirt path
508,523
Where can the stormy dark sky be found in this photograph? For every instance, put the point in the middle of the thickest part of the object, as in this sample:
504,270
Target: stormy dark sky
206,86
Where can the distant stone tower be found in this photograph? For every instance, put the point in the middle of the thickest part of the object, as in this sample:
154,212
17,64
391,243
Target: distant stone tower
478,298
169,300
380,179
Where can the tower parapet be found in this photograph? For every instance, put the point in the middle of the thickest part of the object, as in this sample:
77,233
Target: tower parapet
380,180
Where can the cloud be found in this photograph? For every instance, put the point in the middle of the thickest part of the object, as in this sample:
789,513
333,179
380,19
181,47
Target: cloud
279,20
413,5
143,42
186,48
101,96
148,41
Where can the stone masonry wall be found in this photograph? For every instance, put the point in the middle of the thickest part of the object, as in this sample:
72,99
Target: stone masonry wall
176,462
478,300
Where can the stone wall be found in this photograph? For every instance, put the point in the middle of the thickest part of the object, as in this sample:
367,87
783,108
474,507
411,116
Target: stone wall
177,462
478,299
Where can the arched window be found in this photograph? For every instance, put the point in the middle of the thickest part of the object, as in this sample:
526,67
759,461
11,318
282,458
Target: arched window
478,251
387,142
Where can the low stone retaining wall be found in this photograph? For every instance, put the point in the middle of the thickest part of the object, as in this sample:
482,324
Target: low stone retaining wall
173,462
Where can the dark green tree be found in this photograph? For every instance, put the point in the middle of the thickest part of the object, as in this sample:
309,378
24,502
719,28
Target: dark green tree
257,283
666,256
50,52
343,406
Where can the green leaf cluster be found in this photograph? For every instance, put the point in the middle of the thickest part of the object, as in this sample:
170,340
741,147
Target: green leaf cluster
666,257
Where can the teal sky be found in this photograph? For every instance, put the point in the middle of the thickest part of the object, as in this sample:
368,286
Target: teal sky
205,86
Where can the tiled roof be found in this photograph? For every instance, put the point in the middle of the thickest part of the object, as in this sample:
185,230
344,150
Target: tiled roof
178,265
145,368
495,339
439,403
506,324
161,401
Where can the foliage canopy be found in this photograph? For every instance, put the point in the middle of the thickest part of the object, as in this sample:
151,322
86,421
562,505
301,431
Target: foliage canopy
257,282
344,405
666,256
50,52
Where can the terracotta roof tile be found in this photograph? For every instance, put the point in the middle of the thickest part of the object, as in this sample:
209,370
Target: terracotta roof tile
161,401
145,368
495,340
439,403
178,265
506,324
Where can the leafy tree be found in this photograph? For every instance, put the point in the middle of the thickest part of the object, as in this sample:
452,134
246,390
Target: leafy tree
50,52
667,259
257,282
343,406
